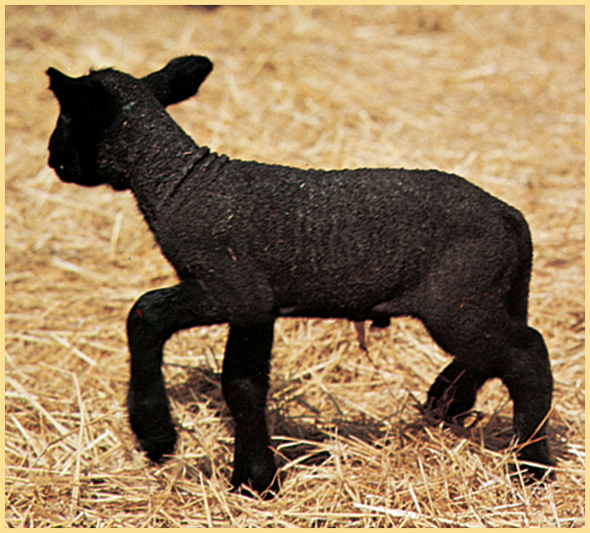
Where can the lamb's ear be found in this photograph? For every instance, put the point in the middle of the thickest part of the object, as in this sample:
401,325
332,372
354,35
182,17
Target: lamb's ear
178,80
59,83
83,97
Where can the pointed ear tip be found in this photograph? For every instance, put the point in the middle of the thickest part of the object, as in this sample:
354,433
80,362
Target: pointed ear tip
51,74
202,61
54,74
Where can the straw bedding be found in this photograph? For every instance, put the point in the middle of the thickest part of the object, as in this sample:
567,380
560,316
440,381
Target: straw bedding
495,94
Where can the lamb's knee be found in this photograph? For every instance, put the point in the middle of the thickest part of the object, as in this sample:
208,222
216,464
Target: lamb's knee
242,394
142,326
155,315
527,364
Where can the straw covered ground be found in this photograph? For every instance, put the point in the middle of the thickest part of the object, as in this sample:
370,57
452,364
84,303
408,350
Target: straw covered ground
495,94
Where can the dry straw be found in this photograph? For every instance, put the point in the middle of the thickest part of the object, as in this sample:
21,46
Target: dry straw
493,93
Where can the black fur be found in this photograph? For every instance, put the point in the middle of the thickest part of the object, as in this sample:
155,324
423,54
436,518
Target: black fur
253,242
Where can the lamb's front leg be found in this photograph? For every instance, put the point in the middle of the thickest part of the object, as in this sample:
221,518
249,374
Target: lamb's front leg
153,319
245,385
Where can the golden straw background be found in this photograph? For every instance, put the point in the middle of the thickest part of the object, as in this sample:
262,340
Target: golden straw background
495,94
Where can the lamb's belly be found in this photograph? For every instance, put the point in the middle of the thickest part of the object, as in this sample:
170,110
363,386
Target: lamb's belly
334,298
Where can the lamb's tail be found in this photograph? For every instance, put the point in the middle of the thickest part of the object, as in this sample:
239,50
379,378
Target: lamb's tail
518,294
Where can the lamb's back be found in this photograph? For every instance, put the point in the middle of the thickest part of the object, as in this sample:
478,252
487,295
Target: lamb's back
351,236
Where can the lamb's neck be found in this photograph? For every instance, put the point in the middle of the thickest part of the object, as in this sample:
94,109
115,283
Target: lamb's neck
160,170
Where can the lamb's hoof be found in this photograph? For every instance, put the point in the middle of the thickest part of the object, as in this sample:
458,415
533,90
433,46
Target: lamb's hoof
267,494
537,453
262,480
532,474
158,447
152,424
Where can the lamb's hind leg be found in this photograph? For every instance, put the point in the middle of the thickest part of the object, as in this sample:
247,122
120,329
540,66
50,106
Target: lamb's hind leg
474,305
245,386
527,374
498,348
152,320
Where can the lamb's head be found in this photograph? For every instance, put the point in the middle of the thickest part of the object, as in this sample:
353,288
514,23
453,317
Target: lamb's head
87,146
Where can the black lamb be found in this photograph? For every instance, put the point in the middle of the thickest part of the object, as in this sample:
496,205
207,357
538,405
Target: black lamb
254,242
